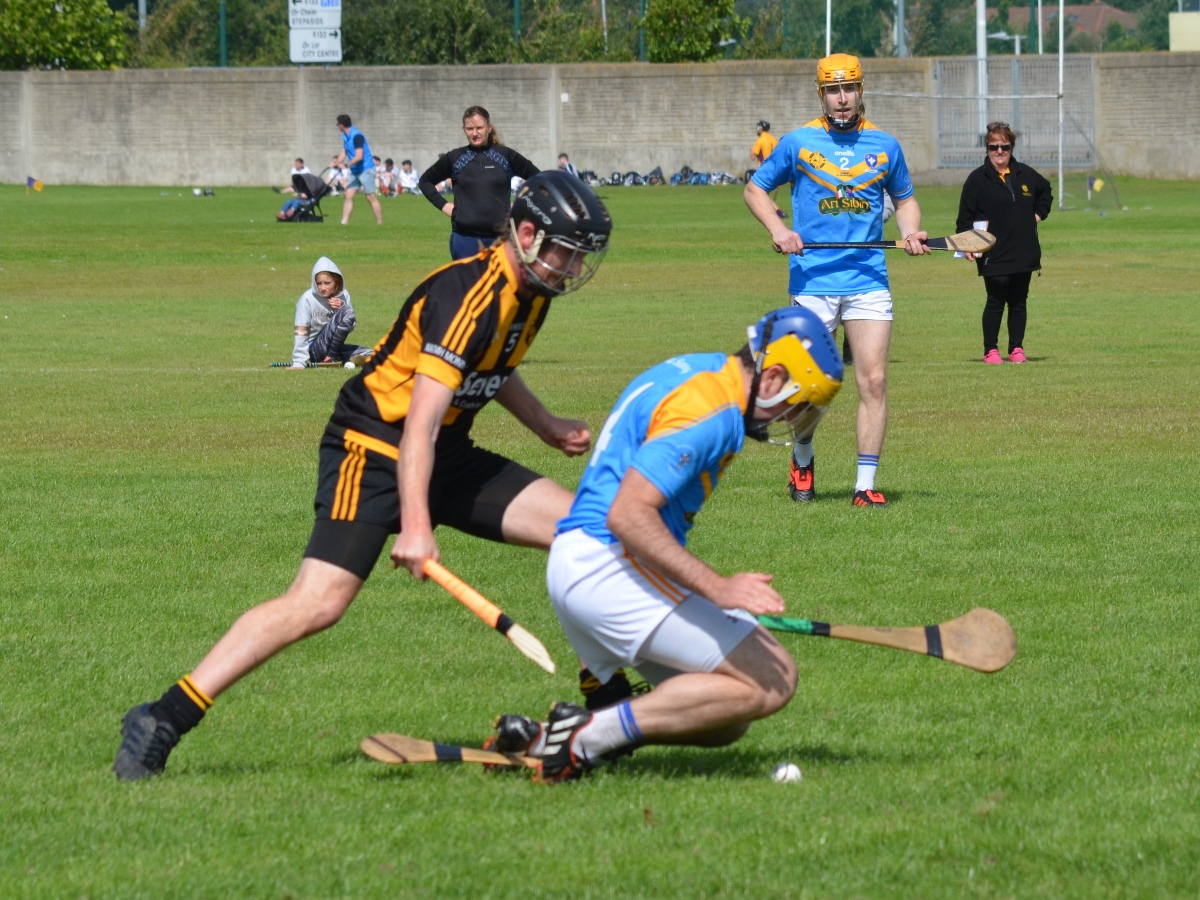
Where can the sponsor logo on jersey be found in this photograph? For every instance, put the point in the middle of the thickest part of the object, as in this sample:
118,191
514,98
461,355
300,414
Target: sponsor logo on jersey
442,353
477,389
843,201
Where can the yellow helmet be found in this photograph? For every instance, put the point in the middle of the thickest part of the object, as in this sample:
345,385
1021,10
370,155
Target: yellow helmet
841,68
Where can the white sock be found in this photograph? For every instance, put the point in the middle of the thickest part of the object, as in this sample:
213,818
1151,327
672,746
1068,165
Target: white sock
802,453
867,464
609,729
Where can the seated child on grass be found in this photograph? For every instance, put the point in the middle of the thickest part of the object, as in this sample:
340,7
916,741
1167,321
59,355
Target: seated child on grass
324,319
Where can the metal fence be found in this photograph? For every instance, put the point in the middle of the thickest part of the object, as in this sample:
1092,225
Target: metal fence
1021,90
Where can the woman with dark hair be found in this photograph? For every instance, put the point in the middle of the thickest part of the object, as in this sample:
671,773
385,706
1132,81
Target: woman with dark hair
1009,199
481,173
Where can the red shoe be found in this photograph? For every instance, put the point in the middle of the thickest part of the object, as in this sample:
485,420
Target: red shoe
992,357
1017,355
800,482
869,498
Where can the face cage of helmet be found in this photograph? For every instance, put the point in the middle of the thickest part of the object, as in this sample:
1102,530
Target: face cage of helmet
831,99
794,423
557,265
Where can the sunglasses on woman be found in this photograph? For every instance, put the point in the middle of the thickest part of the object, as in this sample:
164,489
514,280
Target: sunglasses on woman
999,148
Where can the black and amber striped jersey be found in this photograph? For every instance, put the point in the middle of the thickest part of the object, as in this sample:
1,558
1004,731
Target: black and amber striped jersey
465,327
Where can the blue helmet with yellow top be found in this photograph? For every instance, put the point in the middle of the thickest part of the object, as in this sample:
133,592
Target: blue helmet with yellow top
796,339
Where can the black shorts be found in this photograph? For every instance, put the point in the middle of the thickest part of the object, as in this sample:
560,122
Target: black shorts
358,506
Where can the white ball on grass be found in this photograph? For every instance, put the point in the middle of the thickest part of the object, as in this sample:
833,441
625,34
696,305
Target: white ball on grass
196,191
786,773
349,365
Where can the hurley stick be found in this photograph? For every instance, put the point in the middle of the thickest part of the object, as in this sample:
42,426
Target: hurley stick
308,365
981,640
974,241
396,749
490,613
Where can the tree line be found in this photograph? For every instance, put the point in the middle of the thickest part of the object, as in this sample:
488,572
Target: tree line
104,34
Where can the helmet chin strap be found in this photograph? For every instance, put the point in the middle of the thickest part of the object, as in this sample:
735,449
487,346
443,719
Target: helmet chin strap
842,124
757,430
530,256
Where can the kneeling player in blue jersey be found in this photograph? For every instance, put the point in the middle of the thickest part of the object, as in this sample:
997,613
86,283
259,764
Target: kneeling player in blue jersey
626,589
841,168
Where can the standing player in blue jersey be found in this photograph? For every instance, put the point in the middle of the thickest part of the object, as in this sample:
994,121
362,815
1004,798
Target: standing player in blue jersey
356,154
840,166
626,589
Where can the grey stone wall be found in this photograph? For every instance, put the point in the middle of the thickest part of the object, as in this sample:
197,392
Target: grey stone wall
244,126
1148,113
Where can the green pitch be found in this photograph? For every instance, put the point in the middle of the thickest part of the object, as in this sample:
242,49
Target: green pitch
156,480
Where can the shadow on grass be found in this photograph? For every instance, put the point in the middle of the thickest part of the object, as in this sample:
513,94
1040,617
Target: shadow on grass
731,762
650,762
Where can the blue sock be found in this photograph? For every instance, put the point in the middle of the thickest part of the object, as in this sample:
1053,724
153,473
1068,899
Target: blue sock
867,464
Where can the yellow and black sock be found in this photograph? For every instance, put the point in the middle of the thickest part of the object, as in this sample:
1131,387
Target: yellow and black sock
597,695
183,705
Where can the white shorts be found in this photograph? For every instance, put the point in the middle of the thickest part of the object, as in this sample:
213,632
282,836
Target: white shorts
617,611
873,305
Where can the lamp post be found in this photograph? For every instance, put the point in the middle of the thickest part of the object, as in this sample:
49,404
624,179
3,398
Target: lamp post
642,34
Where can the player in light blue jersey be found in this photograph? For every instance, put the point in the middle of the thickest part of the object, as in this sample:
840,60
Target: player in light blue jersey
356,154
623,584
841,168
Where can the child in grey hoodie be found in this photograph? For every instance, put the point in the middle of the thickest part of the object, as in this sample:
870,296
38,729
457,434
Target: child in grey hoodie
324,319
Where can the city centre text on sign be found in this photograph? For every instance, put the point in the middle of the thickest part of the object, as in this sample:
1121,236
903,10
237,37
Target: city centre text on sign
315,45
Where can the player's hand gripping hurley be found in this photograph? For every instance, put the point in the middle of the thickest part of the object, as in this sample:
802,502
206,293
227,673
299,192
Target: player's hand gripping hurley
490,613
981,640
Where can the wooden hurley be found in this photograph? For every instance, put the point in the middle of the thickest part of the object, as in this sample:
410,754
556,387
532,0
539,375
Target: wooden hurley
490,613
396,749
974,241
981,640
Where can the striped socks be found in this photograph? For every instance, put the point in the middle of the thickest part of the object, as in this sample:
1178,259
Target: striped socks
183,705
867,464
609,729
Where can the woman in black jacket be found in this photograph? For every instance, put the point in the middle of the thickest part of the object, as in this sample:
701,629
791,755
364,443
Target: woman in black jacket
1009,199
481,173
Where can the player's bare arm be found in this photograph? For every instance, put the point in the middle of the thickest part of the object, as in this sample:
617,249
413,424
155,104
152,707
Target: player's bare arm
571,436
908,220
634,518
415,542
763,208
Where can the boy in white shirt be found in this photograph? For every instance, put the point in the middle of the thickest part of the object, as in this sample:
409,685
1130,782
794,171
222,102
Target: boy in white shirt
409,178
388,179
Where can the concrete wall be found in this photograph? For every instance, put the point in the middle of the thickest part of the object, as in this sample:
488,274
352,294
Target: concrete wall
244,126
1137,135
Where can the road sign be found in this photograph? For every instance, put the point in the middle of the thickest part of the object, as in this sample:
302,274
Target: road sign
314,14
316,45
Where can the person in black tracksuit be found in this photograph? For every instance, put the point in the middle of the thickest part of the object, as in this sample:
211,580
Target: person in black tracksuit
481,173
1012,199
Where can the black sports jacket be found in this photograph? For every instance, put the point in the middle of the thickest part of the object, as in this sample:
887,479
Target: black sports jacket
1008,205
481,186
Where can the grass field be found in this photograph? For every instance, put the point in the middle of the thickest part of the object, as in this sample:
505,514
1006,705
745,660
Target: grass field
156,480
